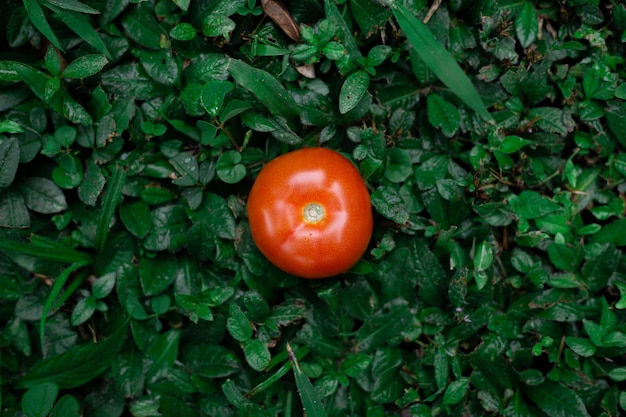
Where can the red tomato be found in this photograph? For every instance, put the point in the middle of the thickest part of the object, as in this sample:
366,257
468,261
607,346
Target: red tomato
310,213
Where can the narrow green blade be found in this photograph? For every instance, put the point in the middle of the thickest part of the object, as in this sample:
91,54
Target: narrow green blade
310,400
439,60
112,198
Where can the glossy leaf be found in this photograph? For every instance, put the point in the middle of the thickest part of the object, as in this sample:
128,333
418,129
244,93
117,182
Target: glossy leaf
353,90
265,87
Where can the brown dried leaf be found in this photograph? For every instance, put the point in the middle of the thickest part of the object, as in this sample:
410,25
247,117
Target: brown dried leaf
277,11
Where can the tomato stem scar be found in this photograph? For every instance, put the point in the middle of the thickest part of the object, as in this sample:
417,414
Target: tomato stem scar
313,213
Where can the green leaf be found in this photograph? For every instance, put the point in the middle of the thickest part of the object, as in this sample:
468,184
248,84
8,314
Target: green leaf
266,88
440,61
513,143
483,258
39,400
9,161
187,166
618,374
614,232
80,25
352,90
157,274
78,365
183,32
556,400
217,24
67,406
13,210
387,201
257,354
238,324
43,196
92,185
399,165
430,274
74,5
581,346
143,28
552,119
229,167
182,4
531,205
442,114
104,285
163,353
38,18
384,325
136,218
9,126
85,66
111,199
526,25
212,95
83,310
456,391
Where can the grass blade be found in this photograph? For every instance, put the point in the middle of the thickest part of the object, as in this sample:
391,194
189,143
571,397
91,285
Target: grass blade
439,60
38,18
55,253
301,353
111,199
310,400
56,290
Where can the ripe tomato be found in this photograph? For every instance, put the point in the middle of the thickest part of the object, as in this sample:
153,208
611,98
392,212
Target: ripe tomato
310,213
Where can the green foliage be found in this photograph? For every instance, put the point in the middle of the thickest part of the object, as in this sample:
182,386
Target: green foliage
491,136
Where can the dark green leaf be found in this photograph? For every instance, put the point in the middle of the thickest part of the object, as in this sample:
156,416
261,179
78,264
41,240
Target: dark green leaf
67,406
229,167
388,202
430,274
558,401
257,354
352,90
267,89
93,184
85,66
526,24
456,391
157,274
136,217
13,210
9,161
442,114
77,366
80,25
39,400
43,196
384,325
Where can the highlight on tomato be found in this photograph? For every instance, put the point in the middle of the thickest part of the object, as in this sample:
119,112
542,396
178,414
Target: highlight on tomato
310,213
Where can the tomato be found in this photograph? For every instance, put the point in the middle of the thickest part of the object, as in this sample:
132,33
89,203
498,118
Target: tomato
310,213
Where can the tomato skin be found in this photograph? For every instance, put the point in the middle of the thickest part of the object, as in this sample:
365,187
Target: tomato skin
276,211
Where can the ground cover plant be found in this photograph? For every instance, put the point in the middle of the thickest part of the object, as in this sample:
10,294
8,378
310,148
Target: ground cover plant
490,134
